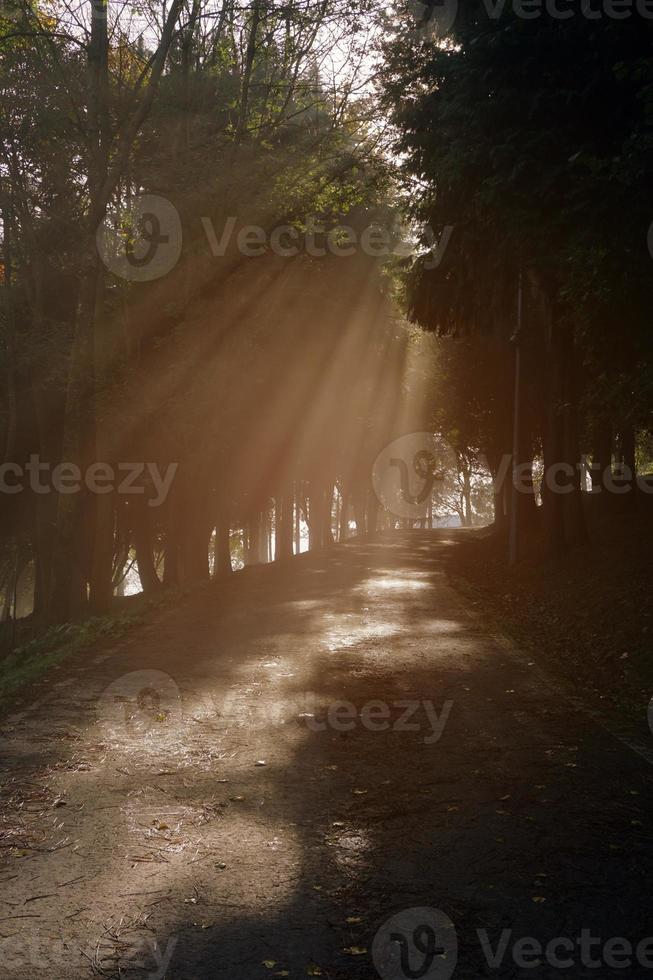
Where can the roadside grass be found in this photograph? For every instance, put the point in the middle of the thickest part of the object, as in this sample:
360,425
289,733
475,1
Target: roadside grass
31,660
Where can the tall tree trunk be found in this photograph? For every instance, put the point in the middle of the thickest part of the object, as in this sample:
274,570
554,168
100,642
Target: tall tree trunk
196,532
359,512
575,526
248,67
144,546
222,565
343,532
553,441
298,526
627,441
372,514
253,554
327,520
284,524
79,444
315,516
69,576
102,530
498,495
601,452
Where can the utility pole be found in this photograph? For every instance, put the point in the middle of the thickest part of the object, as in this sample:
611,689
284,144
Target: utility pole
514,500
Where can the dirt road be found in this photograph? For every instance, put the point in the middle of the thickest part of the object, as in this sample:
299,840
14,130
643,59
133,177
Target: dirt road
253,784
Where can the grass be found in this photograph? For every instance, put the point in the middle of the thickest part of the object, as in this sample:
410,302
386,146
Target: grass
32,659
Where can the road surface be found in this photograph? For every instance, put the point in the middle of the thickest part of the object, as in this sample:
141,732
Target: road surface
255,783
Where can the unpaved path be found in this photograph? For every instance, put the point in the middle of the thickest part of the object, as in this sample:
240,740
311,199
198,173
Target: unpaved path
233,832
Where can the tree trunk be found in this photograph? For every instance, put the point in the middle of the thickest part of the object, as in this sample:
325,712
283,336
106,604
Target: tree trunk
283,524
601,452
194,544
553,440
359,513
372,514
298,526
315,516
102,523
343,532
69,576
222,565
627,441
144,547
253,540
327,521
575,527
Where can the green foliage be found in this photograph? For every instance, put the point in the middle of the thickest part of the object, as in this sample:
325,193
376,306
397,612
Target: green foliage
28,662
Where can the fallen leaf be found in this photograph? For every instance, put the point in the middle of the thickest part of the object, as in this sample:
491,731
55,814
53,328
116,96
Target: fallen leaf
269,964
313,970
352,920
355,950
539,899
